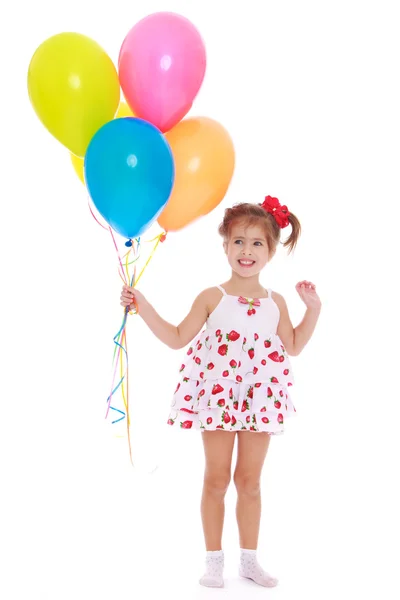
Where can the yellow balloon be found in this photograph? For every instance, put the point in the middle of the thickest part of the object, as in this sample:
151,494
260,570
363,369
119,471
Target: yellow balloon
124,111
78,162
74,88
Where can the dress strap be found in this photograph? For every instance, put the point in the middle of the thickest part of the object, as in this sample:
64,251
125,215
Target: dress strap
269,293
221,289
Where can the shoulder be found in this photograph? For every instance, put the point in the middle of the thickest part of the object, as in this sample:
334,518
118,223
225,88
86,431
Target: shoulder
211,293
277,297
279,300
209,298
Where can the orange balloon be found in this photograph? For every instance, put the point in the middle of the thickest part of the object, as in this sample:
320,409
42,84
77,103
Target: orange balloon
204,164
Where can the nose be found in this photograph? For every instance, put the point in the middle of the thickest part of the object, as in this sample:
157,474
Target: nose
247,249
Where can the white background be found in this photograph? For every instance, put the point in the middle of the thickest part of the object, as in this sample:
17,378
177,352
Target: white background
309,93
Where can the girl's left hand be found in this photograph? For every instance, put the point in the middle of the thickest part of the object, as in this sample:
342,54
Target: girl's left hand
307,292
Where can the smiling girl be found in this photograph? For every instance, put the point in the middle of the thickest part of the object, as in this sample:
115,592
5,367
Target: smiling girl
236,377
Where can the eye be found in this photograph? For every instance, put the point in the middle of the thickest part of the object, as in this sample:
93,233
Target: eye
238,241
258,243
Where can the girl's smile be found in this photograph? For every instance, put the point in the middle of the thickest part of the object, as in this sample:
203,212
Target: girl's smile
247,249
246,263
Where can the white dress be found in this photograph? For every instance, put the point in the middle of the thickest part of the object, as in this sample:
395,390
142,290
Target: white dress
236,375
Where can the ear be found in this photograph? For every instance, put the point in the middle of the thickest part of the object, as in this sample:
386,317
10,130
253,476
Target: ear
225,245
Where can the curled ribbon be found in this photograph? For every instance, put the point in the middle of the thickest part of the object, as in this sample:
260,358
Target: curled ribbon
121,348
120,357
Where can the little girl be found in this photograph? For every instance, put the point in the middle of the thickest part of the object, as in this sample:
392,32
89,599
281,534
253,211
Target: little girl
237,374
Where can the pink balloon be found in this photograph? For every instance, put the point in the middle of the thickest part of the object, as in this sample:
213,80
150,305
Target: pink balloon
161,65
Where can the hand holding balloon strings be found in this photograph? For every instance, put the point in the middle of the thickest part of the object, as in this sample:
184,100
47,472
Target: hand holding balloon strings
120,340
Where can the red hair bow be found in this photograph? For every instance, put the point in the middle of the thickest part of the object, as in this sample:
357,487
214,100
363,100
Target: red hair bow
281,213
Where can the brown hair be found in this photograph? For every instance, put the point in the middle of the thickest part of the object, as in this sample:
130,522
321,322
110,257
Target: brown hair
255,214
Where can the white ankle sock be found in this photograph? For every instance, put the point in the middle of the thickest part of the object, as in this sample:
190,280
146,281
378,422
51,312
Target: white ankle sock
213,577
250,569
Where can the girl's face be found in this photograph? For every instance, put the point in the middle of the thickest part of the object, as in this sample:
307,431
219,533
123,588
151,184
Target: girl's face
247,249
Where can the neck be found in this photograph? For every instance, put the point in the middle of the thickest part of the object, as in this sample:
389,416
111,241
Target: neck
245,286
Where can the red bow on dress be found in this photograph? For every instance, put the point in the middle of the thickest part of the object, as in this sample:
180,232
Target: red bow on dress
251,302
281,213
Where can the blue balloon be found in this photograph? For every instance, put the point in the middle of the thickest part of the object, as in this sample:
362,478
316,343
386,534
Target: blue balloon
129,172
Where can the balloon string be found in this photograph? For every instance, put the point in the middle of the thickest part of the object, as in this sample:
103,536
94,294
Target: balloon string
137,252
119,258
109,229
127,265
95,218
147,241
159,238
126,397
120,339
119,348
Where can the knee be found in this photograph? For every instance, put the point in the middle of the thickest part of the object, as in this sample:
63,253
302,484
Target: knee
246,484
217,483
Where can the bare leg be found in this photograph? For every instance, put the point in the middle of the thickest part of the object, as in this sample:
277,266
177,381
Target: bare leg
252,450
218,448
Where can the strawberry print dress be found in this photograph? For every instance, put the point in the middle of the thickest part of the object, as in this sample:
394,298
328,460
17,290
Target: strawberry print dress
236,375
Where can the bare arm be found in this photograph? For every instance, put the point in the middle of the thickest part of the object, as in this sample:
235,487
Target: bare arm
296,338
285,328
175,337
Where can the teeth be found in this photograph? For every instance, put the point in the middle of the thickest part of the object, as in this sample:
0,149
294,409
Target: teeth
246,262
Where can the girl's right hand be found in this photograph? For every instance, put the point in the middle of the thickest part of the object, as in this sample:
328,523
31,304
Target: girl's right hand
130,297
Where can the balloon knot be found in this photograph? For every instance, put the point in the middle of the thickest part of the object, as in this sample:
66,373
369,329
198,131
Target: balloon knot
128,244
163,237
